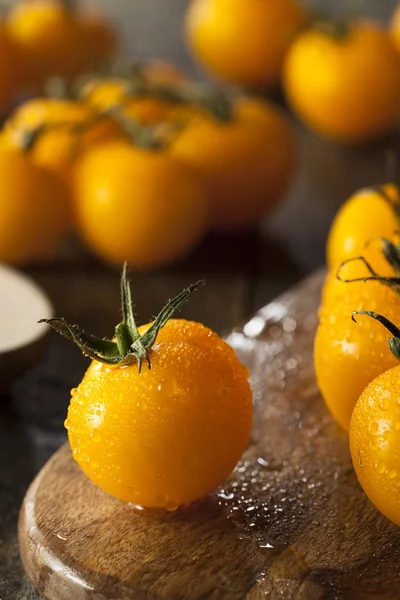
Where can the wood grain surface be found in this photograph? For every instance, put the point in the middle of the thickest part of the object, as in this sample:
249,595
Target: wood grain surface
291,522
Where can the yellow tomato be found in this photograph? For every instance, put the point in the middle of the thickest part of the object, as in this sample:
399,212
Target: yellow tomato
244,41
350,355
341,281
375,442
247,163
34,212
338,86
57,146
140,205
57,41
367,214
49,37
167,436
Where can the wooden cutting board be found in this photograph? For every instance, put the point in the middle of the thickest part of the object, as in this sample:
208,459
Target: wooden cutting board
291,522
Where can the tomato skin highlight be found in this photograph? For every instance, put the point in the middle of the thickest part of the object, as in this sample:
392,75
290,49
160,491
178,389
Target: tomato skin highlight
167,436
375,442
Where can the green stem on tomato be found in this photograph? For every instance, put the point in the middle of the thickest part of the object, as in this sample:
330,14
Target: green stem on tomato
393,342
129,346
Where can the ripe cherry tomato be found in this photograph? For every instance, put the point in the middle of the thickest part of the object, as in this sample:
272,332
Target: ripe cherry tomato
59,41
375,442
60,143
244,41
367,214
337,85
138,204
167,436
247,162
338,280
350,355
34,212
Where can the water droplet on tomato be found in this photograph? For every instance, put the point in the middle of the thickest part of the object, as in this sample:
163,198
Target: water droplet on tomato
392,474
380,467
66,423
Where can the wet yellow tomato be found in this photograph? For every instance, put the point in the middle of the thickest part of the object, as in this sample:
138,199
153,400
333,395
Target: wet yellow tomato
365,215
337,85
12,69
34,212
244,41
348,355
138,205
334,287
166,436
247,162
375,442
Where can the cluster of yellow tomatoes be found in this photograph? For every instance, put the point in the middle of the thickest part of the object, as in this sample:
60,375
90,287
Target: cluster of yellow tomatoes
341,78
40,39
141,166
356,360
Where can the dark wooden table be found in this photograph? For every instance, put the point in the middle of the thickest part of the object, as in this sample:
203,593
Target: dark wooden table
243,272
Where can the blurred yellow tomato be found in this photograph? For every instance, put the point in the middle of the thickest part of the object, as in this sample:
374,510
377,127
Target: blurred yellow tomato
64,133
345,87
247,162
244,41
34,212
138,205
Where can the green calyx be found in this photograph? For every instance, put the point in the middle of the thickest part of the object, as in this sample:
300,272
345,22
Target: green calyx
391,253
129,345
393,342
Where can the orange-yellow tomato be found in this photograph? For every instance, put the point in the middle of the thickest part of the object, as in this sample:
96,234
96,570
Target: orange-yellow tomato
244,41
247,163
167,436
57,41
34,212
375,442
58,146
138,205
348,355
338,86
366,215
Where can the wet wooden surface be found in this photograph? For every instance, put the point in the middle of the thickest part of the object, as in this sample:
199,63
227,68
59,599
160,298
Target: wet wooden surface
243,273
290,522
